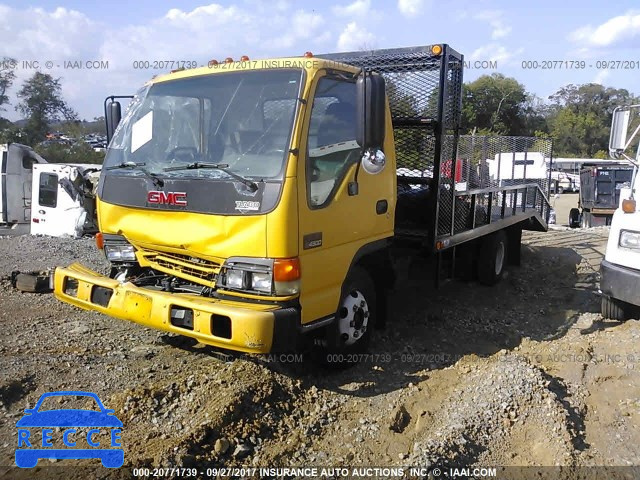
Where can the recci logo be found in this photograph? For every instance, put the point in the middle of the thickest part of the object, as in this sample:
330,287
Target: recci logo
156,197
92,431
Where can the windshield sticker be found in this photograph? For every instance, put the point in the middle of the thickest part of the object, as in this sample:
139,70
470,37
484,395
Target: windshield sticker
247,206
142,132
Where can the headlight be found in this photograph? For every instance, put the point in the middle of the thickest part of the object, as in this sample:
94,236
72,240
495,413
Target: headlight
261,282
629,239
235,279
120,252
261,275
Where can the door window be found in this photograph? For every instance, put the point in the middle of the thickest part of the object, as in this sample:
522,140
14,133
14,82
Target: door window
332,146
48,191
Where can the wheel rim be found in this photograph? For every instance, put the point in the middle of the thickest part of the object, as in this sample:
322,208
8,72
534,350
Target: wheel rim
353,317
499,258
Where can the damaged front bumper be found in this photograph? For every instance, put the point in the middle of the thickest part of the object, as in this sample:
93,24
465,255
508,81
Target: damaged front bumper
245,327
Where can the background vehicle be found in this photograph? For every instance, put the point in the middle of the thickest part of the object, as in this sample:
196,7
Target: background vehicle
329,173
16,162
64,199
562,182
600,186
620,269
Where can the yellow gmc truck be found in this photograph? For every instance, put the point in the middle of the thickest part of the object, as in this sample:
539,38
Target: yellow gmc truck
257,205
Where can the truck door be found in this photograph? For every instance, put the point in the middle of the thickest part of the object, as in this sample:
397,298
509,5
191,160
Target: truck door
334,224
55,212
17,184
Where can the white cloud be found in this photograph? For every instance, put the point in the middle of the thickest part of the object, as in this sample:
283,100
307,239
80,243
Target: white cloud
355,37
614,31
496,21
601,76
495,53
359,8
411,8
257,28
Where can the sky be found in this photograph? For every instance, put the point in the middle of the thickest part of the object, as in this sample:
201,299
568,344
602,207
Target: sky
578,42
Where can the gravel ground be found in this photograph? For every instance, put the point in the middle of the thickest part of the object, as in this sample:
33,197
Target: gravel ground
525,373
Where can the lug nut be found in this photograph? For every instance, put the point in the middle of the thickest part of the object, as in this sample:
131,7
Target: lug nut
344,337
355,308
366,314
362,303
356,334
352,323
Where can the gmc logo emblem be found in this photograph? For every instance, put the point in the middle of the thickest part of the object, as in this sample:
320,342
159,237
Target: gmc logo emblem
156,197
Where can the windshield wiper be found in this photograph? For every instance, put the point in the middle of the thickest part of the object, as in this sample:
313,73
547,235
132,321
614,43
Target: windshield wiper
157,181
253,186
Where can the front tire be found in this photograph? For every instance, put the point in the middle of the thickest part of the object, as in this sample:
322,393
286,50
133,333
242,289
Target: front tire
613,309
350,332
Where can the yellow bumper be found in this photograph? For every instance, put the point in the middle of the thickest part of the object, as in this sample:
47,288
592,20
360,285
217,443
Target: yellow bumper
250,327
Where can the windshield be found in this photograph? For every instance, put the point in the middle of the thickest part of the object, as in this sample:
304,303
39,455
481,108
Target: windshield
241,121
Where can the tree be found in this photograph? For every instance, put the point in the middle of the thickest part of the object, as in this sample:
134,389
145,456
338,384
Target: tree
7,76
495,104
42,103
580,118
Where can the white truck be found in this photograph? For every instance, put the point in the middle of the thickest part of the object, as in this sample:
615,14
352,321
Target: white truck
16,162
620,269
64,199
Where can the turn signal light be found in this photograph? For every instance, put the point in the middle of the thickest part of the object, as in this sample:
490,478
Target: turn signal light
286,269
99,240
228,60
213,62
628,205
244,58
308,54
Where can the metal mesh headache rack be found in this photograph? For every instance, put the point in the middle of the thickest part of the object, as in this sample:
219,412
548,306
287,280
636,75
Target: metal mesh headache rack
443,178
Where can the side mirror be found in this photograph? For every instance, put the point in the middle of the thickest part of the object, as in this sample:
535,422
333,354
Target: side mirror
618,136
370,110
113,116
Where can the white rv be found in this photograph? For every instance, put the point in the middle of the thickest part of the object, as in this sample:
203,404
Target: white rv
16,162
64,199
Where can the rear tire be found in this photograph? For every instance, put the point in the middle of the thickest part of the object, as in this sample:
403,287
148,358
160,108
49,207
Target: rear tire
493,258
350,332
574,218
614,309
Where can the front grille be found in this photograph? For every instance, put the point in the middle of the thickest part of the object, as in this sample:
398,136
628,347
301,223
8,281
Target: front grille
184,266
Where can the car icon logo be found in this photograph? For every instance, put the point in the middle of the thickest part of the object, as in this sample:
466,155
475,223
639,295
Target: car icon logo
79,433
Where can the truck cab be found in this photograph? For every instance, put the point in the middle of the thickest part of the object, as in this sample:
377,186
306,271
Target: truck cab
620,269
221,185
16,163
